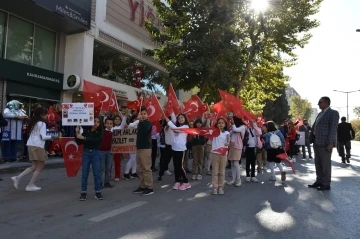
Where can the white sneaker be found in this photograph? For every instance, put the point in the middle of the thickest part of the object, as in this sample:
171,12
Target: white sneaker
272,178
248,179
15,182
194,177
167,173
199,177
32,188
117,179
255,180
232,182
238,183
294,160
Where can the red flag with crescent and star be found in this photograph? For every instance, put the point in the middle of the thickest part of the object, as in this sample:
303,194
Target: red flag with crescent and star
135,105
72,153
113,106
208,132
55,146
218,111
154,110
52,115
194,108
172,105
221,150
98,94
285,157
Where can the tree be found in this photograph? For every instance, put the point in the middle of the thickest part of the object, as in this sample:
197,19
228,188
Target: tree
277,110
212,44
300,107
357,111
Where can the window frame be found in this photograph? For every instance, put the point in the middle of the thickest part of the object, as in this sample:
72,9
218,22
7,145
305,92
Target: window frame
7,17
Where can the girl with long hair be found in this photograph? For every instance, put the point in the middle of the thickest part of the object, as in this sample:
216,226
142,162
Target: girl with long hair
198,143
236,149
91,138
273,152
178,151
219,160
36,151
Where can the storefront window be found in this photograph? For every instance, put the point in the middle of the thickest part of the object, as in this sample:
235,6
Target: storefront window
44,49
20,40
113,65
2,33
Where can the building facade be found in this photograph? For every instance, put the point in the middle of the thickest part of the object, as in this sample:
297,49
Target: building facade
111,53
33,45
44,44
290,92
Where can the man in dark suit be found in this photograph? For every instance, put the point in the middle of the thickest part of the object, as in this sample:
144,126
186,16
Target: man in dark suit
345,134
306,129
284,129
324,138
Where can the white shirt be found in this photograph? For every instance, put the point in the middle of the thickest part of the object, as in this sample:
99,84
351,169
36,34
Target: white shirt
38,135
220,141
178,139
121,126
236,130
252,138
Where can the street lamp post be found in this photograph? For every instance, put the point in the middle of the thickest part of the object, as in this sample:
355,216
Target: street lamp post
347,99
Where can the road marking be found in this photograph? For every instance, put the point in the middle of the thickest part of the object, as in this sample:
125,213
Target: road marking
118,211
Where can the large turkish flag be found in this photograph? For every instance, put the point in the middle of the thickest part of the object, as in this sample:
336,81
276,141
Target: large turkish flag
72,153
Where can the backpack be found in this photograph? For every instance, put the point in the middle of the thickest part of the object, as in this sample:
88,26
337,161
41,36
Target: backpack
275,141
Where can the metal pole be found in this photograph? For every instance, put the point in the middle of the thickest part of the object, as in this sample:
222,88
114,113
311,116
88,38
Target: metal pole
347,106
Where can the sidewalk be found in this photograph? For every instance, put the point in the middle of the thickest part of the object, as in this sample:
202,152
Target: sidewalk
53,162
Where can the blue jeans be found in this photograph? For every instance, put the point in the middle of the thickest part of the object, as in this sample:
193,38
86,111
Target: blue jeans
93,158
106,161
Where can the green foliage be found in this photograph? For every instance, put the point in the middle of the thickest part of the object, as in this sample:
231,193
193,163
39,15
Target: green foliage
277,110
356,126
300,107
357,111
218,44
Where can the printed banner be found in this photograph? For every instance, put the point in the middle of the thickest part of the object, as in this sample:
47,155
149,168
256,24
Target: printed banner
78,114
124,141
301,140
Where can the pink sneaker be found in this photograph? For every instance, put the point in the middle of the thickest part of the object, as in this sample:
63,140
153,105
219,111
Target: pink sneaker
185,186
176,186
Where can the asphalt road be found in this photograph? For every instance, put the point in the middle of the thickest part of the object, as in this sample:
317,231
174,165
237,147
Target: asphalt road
264,210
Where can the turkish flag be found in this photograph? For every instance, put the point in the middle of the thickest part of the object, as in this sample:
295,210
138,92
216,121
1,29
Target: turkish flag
194,107
72,153
209,132
52,115
221,150
113,106
231,102
172,105
55,146
285,157
298,122
219,111
135,105
155,113
100,95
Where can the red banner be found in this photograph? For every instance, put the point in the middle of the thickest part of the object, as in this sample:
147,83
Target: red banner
135,105
172,106
113,106
219,111
155,113
98,94
195,108
221,150
72,153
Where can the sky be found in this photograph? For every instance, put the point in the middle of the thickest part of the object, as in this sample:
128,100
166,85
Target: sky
331,60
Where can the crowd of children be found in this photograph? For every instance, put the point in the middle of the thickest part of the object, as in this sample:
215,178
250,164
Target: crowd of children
259,143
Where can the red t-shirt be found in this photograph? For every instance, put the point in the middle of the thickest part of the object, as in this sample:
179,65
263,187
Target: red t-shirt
292,134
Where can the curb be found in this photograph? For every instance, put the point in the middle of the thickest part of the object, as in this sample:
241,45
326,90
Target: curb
7,168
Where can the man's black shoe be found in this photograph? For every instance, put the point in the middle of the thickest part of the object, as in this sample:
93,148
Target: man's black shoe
108,185
159,179
310,157
314,185
147,192
139,190
323,188
154,169
348,160
342,160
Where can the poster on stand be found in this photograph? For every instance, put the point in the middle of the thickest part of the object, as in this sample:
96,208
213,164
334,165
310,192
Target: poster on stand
78,114
301,140
124,141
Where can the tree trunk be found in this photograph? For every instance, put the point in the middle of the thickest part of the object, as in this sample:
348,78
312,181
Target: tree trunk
202,88
246,72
